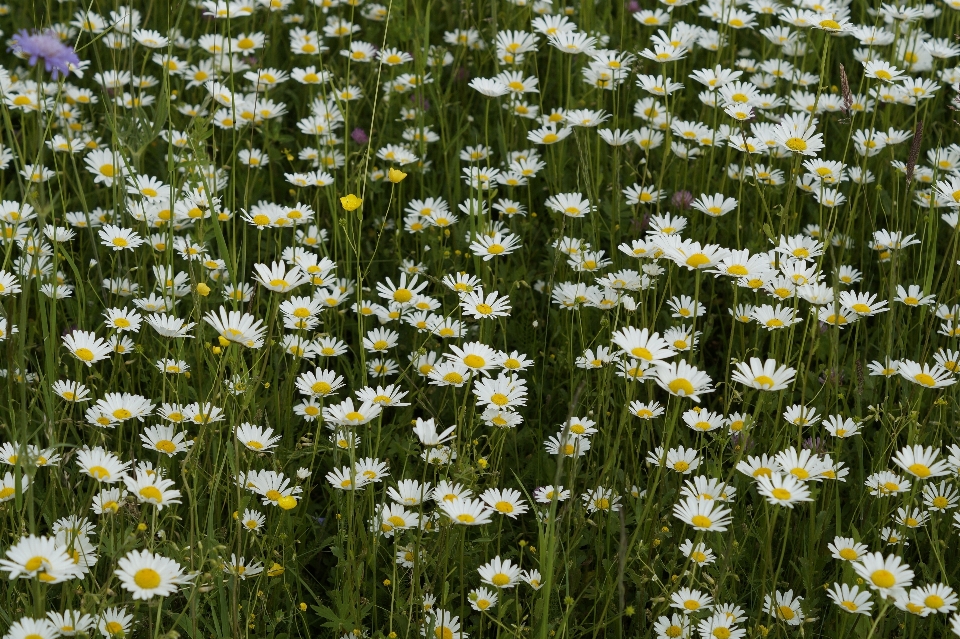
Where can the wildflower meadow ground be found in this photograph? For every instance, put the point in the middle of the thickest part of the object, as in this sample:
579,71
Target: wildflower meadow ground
479,318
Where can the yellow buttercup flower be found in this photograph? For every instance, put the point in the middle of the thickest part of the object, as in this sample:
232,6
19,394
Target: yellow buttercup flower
394,175
350,202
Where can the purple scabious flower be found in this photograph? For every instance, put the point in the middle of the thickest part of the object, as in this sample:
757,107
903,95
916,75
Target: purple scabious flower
682,200
359,136
57,56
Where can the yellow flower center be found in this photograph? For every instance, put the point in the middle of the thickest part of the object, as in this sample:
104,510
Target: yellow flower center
924,379
781,493
697,260
166,446
883,578
99,472
796,144
147,578
474,361
499,399
151,493
681,386
764,381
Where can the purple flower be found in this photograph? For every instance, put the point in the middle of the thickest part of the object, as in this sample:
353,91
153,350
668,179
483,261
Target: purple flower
815,444
359,136
682,200
420,102
633,6
57,56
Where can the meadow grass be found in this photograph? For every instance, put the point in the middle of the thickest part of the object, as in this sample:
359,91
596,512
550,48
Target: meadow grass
483,318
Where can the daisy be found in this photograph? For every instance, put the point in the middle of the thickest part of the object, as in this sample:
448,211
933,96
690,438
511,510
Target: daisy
567,446
863,304
940,497
101,465
410,492
569,204
499,573
105,165
763,375
257,438
169,326
505,392
782,490
478,306
69,623
147,575
796,133
841,427
41,558
702,487
253,520
346,478
443,625
704,515
108,501
9,486
482,599
885,483
393,517
784,606
676,625
489,247
601,499
690,601
119,238
642,344
164,439
548,134
645,410
698,553
846,549
702,420
276,278
238,566
236,326
152,489
71,391
925,375
921,462
114,622
466,511
887,575
683,380
546,494
773,318
937,598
